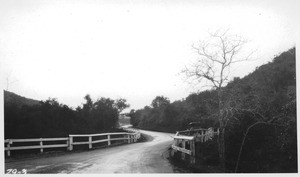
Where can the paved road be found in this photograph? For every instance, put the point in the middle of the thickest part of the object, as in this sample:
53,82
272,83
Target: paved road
144,157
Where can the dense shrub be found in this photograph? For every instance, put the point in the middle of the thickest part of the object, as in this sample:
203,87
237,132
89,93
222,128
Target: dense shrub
51,119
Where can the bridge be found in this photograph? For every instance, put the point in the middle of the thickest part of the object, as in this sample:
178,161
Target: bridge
132,157
135,157
130,135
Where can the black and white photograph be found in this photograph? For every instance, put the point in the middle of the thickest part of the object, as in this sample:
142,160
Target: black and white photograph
203,87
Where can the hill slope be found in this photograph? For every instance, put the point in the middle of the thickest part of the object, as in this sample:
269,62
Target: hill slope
262,103
11,98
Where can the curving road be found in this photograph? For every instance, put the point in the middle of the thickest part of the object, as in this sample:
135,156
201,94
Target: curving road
144,157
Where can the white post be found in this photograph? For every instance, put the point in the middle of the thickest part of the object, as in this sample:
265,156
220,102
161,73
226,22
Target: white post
90,142
70,143
108,142
41,144
128,138
176,144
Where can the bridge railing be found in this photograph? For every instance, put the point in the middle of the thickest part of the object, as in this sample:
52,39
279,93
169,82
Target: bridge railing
185,145
40,144
68,142
128,137
184,141
133,130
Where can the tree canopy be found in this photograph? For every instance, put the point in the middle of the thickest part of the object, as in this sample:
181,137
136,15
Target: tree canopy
50,118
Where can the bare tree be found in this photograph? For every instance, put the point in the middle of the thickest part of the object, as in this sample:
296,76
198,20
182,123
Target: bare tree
216,57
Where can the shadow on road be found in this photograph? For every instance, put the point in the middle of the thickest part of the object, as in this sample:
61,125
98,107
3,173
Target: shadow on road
146,138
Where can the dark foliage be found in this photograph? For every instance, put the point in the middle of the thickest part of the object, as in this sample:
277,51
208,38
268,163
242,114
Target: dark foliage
51,119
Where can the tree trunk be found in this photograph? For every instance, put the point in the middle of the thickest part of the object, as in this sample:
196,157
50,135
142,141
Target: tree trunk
221,139
221,146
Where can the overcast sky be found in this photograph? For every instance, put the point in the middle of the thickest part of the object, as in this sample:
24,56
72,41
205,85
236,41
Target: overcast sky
131,49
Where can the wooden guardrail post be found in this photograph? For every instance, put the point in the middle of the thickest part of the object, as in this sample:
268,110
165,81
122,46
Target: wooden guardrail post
70,143
202,136
90,142
172,152
128,137
8,147
176,144
41,144
193,152
108,140
182,153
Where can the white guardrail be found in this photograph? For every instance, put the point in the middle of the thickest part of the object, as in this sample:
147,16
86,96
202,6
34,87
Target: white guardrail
131,136
184,141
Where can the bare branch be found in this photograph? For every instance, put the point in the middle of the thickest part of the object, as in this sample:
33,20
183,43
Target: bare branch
216,56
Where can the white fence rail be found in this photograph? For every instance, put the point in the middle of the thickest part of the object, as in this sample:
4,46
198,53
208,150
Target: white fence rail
41,146
188,138
68,142
129,137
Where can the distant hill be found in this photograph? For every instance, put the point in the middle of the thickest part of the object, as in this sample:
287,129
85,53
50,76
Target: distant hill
11,98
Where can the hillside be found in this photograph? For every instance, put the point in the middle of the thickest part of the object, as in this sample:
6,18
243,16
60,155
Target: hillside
11,98
264,100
